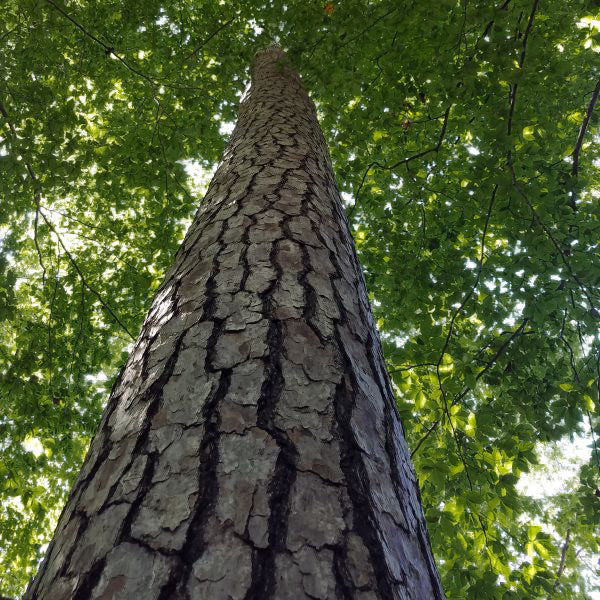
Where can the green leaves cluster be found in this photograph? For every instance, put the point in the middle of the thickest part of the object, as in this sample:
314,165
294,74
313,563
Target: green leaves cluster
452,127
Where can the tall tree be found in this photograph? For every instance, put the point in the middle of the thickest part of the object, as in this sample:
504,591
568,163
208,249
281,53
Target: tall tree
463,139
251,447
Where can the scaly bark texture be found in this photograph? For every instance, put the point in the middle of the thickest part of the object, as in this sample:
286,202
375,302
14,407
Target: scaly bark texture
251,449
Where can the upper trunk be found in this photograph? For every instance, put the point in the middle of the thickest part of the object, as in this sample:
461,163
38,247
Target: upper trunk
250,449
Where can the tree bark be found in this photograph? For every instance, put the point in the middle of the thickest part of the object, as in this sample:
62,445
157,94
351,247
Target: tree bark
250,449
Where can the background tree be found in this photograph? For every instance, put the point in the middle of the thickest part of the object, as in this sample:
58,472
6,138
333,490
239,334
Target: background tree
464,136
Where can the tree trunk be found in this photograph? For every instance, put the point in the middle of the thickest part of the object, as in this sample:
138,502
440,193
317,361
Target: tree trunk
250,449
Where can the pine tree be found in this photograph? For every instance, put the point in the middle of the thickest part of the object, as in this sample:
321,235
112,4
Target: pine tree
250,448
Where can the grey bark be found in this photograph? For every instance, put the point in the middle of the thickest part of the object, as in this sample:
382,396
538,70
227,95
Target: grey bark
250,449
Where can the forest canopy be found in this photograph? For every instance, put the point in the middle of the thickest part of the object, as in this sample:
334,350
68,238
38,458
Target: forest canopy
464,138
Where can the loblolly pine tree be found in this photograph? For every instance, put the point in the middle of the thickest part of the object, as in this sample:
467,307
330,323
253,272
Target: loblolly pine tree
250,448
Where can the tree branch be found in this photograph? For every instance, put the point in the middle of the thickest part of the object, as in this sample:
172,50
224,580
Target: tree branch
547,231
410,367
404,161
513,91
29,168
360,33
424,438
490,24
449,335
82,277
501,350
561,568
50,340
466,298
583,128
210,37
108,49
488,366
37,197
76,344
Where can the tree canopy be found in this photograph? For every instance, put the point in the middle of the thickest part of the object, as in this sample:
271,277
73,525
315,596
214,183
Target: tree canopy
465,142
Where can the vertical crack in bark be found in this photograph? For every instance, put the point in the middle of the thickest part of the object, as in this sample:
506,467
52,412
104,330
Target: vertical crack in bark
354,471
391,416
390,447
154,396
194,545
263,559
351,461
84,589
343,587
262,585
310,295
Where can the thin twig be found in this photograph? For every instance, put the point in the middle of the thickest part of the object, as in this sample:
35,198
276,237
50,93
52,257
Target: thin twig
7,33
571,354
35,239
76,344
470,292
110,252
449,335
37,197
56,278
410,367
424,438
490,24
462,32
76,220
462,394
109,50
502,348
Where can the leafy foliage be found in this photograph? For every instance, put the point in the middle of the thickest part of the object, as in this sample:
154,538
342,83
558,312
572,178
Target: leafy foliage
465,136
